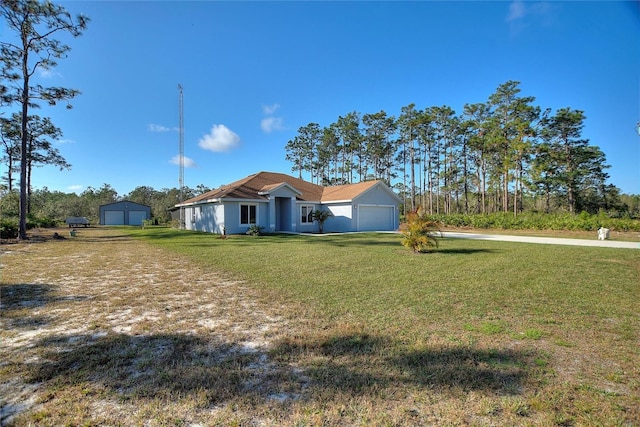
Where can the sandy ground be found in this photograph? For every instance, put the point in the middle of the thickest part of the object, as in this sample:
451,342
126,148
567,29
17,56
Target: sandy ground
77,291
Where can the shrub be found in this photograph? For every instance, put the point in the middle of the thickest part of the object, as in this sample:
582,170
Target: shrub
8,229
419,232
255,230
40,222
539,221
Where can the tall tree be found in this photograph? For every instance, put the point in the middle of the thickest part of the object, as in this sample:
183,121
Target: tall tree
511,125
10,137
302,150
378,128
544,177
445,126
348,128
34,24
40,150
295,154
477,116
429,156
328,151
579,165
407,125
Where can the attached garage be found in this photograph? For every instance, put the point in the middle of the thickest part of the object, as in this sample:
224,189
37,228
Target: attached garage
124,213
376,218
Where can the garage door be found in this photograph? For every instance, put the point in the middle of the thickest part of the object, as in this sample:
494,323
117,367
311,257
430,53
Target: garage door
136,217
113,217
375,218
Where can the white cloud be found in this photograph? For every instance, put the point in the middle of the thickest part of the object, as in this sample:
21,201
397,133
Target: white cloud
270,109
221,138
188,163
517,10
271,124
76,188
159,128
64,141
523,14
48,73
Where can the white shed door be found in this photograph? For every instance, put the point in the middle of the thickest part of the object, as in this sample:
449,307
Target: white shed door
375,218
113,217
136,217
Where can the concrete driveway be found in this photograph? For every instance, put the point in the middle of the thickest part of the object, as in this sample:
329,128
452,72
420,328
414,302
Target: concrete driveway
543,240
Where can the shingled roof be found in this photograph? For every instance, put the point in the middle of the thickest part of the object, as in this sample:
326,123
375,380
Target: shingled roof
257,186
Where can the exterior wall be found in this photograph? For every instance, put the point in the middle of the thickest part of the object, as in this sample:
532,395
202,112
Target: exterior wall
231,216
377,196
342,219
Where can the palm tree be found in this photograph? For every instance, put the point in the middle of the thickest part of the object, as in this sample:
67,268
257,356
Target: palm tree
320,217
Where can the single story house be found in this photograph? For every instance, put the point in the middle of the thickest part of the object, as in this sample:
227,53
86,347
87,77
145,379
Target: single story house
124,213
282,203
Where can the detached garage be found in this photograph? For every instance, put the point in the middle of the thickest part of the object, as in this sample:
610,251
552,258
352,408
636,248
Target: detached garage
124,213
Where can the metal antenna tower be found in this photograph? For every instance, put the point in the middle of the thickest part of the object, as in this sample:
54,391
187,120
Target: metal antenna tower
181,137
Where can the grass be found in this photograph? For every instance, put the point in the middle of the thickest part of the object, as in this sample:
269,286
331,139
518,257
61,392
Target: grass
161,327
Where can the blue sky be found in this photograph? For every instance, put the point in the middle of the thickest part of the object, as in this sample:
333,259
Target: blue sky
255,72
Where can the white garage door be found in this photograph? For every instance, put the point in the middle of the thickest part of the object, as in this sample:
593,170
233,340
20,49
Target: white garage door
375,218
113,217
136,217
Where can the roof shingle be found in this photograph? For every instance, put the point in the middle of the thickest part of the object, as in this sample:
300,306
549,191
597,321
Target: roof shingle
255,186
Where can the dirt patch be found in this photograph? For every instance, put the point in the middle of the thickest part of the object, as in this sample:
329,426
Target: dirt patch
123,322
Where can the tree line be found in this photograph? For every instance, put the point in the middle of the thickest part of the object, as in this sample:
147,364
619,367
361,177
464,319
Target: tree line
50,208
505,154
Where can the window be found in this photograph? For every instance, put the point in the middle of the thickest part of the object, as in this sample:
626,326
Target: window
307,214
248,214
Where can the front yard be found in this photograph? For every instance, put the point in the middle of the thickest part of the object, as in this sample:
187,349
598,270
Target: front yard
161,327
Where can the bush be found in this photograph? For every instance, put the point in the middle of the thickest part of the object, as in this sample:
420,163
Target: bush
8,229
40,222
255,230
538,221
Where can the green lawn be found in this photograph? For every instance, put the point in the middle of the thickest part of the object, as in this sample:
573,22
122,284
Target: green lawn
477,332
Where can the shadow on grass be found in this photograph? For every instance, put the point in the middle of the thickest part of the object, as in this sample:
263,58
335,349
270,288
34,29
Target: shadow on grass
164,366
360,363
175,366
18,299
463,251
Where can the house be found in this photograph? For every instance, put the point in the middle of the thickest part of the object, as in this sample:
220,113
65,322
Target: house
124,213
282,203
